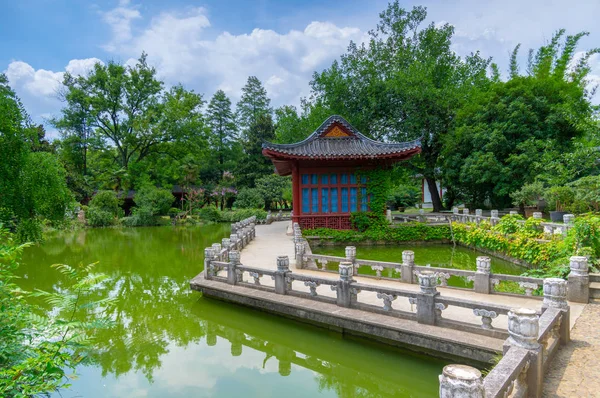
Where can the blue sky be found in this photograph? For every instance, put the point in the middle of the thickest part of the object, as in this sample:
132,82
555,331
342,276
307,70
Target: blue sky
210,45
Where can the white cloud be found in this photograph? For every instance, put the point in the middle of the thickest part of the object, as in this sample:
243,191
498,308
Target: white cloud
177,44
82,66
120,20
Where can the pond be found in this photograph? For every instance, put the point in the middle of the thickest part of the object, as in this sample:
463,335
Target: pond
171,342
435,255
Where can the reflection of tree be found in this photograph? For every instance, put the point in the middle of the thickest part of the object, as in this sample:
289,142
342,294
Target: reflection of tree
149,271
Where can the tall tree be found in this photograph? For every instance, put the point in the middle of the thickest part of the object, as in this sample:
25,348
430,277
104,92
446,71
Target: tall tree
221,121
253,164
517,131
124,106
253,104
405,84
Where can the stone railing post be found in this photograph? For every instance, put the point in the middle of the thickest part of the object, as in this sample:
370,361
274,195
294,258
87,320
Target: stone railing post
461,381
482,276
426,311
217,248
233,238
514,213
523,330
209,255
300,250
579,280
388,216
351,258
555,296
455,214
494,217
568,219
233,276
408,263
283,268
345,296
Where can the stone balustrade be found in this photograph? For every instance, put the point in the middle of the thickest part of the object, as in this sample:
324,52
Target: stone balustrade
428,303
531,344
483,280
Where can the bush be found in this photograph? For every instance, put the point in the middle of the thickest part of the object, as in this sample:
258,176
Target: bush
404,196
363,221
29,230
141,217
97,217
249,198
157,201
209,213
241,214
106,201
410,232
559,198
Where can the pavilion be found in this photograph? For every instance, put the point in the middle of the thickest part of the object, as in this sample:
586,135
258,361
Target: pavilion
324,166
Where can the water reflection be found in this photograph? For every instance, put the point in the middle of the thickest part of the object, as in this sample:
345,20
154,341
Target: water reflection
169,342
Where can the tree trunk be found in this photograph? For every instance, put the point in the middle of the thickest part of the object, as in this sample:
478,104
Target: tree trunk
435,195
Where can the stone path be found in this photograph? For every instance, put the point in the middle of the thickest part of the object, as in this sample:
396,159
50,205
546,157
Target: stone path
575,371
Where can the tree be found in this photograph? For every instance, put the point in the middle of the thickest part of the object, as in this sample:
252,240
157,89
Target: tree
293,127
32,180
515,132
253,105
254,164
405,84
221,121
272,188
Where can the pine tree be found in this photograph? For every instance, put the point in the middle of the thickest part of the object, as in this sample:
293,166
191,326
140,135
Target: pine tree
221,121
253,104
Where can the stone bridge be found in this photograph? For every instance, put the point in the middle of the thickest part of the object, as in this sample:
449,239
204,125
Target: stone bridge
418,311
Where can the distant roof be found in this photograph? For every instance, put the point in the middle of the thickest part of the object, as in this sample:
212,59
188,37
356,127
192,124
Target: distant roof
337,139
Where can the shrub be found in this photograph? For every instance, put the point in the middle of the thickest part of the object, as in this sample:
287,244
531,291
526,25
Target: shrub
209,213
410,232
141,217
558,198
362,221
249,198
528,195
97,217
29,230
157,201
106,201
241,214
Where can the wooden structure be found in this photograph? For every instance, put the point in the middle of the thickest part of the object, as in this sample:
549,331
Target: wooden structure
324,166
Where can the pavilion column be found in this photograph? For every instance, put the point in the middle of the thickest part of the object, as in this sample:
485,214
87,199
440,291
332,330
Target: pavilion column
295,192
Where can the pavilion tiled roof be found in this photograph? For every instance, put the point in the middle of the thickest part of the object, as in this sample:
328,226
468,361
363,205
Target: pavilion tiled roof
337,139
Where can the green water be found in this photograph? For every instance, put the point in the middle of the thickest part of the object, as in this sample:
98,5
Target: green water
171,342
435,255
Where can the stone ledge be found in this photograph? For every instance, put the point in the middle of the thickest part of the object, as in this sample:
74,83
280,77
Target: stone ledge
433,340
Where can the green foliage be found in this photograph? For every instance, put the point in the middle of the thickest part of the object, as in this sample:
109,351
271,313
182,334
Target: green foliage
29,230
37,347
96,217
106,201
221,121
559,198
522,241
271,188
413,232
528,195
587,193
404,196
155,201
378,188
209,213
141,217
241,214
362,221
525,129
249,198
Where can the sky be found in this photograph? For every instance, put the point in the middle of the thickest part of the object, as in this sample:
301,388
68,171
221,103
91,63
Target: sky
210,45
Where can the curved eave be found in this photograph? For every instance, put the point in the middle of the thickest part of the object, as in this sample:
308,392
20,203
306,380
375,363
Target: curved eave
401,155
